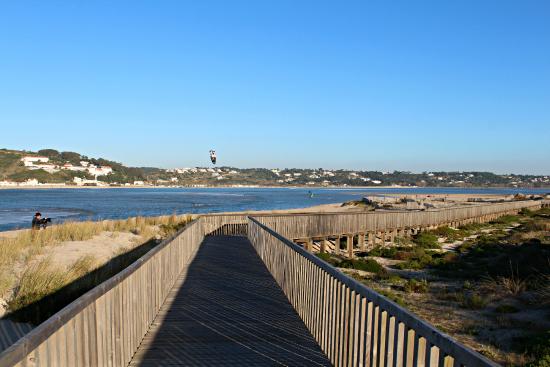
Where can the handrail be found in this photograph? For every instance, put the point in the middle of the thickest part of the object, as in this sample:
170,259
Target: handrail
256,214
316,289
100,319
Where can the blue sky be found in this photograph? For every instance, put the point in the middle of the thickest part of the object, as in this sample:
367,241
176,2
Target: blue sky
376,85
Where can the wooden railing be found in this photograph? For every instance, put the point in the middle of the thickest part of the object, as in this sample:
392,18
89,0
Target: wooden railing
354,325
224,224
327,224
105,326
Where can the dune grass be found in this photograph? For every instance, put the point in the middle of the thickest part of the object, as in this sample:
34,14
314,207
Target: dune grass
36,280
29,243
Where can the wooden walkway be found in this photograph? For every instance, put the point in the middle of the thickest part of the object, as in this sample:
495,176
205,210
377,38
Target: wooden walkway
228,311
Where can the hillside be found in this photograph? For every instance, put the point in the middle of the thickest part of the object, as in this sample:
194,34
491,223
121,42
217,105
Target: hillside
63,167
13,169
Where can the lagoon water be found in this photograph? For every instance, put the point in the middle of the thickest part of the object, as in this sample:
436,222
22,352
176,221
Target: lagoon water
18,206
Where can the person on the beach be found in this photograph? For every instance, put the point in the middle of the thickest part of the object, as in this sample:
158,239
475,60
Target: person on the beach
37,220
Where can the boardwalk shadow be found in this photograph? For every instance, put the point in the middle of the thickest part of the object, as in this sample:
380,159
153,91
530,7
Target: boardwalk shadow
228,311
37,312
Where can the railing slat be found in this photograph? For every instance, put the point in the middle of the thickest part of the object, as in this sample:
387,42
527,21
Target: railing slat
365,328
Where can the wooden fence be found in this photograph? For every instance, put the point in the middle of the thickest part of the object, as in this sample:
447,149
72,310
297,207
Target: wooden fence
354,325
105,326
329,224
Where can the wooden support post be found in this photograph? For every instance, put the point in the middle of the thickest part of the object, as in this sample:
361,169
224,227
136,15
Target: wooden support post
371,240
349,243
383,237
337,246
361,240
309,245
323,246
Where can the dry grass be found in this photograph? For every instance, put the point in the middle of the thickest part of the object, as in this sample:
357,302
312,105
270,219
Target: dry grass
37,281
43,278
512,284
29,243
18,251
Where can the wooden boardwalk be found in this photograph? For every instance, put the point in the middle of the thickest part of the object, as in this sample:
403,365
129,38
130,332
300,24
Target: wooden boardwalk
228,311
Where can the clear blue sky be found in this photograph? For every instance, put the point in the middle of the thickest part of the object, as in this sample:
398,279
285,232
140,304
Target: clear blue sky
376,85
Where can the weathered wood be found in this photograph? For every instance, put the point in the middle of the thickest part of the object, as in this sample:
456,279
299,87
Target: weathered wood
389,334
225,313
82,334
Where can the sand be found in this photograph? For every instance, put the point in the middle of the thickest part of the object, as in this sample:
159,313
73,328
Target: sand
102,248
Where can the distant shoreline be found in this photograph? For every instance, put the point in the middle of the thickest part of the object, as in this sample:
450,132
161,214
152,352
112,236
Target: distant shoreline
68,187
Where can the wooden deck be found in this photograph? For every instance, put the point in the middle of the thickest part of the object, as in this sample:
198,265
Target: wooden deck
228,311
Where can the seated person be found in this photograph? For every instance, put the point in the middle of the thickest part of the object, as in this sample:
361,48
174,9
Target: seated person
37,220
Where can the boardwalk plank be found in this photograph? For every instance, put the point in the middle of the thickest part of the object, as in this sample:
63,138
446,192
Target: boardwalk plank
228,311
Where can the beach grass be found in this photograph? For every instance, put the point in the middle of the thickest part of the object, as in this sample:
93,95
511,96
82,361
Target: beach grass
37,279
28,243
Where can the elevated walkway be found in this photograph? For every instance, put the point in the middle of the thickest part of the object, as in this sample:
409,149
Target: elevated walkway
228,310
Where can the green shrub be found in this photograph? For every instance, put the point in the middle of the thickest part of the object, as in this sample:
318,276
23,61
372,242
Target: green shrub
369,265
324,256
393,296
416,286
328,258
450,233
394,279
526,212
474,302
426,240
472,227
418,259
506,219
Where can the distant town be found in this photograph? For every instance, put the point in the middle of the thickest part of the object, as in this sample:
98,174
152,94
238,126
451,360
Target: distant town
51,168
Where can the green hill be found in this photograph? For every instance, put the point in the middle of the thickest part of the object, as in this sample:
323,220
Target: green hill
13,169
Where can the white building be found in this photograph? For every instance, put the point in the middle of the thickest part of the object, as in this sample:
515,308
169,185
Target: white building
100,171
70,167
29,161
30,182
50,168
82,181
8,183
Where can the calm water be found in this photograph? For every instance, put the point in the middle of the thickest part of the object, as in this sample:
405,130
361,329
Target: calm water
18,206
